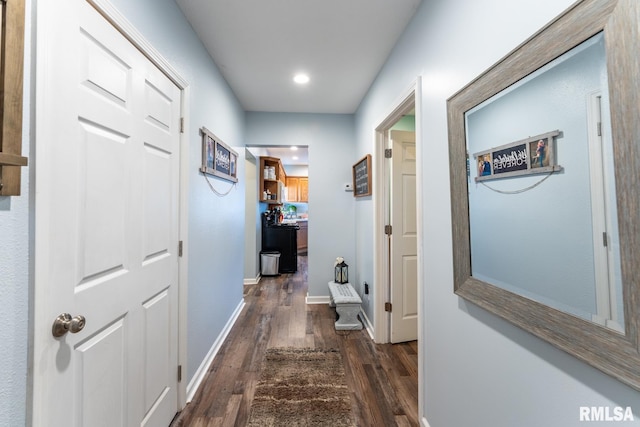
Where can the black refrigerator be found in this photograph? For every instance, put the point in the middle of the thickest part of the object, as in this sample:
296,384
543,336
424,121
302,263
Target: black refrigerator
284,239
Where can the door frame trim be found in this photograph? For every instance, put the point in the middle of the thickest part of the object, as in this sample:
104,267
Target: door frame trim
411,98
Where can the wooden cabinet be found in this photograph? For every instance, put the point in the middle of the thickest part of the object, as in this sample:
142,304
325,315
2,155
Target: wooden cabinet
271,184
303,236
303,190
297,189
292,188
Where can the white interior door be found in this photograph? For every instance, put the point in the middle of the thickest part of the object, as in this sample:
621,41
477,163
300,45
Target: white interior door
404,248
106,227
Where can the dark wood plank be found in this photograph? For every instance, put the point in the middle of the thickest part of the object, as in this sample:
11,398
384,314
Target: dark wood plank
383,378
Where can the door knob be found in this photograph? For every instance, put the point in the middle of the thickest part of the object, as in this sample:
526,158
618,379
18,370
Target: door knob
65,323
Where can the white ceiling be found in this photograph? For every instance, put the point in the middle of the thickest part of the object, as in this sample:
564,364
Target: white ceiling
259,45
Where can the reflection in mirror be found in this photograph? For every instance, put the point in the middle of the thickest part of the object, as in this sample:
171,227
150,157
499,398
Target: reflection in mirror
547,233
548,237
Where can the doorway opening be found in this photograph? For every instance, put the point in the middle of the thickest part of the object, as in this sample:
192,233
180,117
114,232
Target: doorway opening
285,190
397,234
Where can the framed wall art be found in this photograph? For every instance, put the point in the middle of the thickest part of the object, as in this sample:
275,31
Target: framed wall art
362,177
218,159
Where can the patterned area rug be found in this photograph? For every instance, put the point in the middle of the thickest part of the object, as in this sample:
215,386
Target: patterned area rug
301,387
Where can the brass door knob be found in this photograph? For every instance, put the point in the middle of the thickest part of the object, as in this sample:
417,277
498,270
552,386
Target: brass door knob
65,323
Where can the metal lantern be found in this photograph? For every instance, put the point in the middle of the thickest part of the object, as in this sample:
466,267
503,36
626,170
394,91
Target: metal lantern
341,274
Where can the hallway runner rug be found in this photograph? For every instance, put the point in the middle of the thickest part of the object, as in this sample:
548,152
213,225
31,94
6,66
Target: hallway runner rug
301,387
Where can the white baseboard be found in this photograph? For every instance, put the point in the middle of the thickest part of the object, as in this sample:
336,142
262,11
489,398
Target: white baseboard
253,281
367,323
198,377
317,300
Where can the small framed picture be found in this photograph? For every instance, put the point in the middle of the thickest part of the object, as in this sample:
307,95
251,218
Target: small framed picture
362,177
218,159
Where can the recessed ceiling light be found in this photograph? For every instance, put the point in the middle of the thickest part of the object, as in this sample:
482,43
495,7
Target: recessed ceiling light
295,157
294,148
301,78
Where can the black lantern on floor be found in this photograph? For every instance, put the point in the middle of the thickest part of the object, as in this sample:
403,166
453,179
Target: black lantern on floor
341,274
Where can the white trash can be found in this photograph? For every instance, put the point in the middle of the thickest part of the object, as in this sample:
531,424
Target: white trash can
270,263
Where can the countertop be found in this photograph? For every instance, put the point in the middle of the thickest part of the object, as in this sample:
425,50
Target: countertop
294,221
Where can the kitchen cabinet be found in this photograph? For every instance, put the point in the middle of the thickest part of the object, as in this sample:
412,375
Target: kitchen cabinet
303,190
272,184
297,189
292,188
302,237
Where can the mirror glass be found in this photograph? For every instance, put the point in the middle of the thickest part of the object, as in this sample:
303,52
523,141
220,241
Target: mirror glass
551,233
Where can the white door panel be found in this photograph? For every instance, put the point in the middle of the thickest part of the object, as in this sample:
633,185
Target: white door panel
101,360
404,249
107,183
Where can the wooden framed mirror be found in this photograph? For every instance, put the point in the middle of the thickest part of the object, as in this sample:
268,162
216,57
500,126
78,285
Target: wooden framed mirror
11,75
556,299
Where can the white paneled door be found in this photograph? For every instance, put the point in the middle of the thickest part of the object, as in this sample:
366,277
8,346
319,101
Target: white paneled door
106,226
404,247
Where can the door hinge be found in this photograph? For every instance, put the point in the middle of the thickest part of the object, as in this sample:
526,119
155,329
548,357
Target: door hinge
179,373
388,230
181,124
387,307
388,152
180,248
599,128
605,241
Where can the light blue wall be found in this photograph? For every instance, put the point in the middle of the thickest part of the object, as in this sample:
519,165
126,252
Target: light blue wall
14,305
476,369
216,224
331,209
296,170
14,300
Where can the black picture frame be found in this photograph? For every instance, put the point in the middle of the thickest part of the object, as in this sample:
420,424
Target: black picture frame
362,177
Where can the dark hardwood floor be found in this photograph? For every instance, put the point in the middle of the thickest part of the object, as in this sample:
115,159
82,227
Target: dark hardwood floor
383,378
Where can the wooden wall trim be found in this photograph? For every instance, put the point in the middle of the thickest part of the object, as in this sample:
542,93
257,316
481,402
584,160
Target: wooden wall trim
11,76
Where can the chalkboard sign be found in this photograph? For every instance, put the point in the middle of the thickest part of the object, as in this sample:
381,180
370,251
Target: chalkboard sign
362,177
218,158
